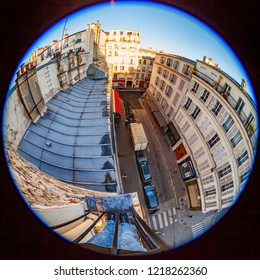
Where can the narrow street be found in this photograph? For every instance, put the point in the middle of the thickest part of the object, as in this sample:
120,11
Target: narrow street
174,222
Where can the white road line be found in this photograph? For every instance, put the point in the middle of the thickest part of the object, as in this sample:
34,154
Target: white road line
160,221
165,219
170,216
197,229
154,222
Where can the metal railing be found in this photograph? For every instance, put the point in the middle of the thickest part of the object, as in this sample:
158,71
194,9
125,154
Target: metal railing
226,95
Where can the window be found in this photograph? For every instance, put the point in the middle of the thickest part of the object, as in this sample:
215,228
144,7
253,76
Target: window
244,176
168,91
203,166
224,171
187,105
228,123
236,139
242,158
226,88
204,95
162,60
164,104
165,74
185,127
250,119
144,62
173,79
159,70
181,85
169,62
195,87
151,63
210,192
207,180
227,186
195,112
156,81
199,153
186,69
240,105
217,107
162,85
143,69
169,114
176,65
192,139
213,140
176,98
158,96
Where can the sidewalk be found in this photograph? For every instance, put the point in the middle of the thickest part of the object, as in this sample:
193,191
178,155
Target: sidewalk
184,215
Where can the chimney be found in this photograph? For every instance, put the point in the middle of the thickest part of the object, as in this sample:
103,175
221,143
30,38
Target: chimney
243,85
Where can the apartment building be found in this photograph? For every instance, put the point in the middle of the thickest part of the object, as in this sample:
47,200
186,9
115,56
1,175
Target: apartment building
169,81
122,50
215,124
144,69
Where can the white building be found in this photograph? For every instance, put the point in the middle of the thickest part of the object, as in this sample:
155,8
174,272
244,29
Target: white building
122,50
214,134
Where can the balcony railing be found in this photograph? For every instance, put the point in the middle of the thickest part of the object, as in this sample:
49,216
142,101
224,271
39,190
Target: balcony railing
226,95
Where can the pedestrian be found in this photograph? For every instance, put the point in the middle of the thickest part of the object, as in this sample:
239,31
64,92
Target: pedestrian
124,176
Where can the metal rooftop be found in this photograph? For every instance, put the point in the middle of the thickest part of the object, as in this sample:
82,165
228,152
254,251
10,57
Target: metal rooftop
72,141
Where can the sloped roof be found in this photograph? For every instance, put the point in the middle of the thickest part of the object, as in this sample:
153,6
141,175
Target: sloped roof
72,141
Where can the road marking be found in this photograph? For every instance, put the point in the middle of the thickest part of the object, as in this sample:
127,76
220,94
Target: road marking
165,219
160,221
197,229
170,215
154,222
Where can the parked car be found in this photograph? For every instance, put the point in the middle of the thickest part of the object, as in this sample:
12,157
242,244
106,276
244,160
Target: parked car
151,198
144,169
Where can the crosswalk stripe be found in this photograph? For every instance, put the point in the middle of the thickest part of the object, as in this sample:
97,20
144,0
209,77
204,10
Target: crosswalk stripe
154,222
165,219
170,215
160,221
197,229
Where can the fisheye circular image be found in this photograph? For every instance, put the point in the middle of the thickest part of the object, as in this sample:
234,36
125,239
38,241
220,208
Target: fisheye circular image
127,135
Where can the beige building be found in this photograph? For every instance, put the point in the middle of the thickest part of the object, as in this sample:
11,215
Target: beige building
213,122
122,50
144,69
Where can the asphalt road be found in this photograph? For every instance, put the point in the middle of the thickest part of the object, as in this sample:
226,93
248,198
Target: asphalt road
178,229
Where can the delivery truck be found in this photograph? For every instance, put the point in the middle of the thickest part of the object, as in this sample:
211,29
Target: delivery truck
138,137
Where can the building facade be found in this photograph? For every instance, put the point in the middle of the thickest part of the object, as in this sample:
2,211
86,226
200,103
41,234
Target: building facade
122,50
144,69
216,128
169,81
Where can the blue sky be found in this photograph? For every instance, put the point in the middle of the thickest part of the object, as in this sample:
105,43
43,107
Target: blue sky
162,28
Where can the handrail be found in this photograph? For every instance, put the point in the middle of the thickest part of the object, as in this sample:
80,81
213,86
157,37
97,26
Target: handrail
71,221
157,240
79,238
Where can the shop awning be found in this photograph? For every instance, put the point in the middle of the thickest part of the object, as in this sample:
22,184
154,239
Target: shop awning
117,107
160,118
155,110
152,105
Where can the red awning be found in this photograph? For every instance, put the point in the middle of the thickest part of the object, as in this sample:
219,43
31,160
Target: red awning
117,103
